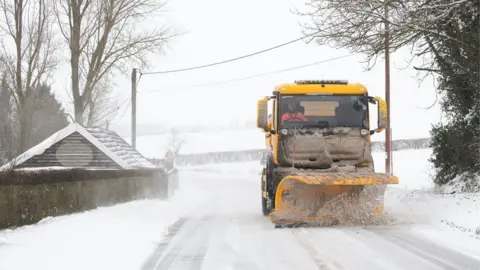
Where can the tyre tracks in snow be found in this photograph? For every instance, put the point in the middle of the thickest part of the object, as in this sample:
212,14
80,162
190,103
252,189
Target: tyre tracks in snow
320,261
238,243
183,247
441,256
379,248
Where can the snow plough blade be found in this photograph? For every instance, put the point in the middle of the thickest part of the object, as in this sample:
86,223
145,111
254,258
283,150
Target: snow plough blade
325,198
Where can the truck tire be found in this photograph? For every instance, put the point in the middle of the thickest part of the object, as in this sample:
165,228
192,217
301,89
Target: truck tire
265,209
269,188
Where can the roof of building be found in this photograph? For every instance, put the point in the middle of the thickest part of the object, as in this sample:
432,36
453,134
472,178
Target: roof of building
107,141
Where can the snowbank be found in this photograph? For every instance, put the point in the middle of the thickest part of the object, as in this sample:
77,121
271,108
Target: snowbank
415,199
460,185
460,212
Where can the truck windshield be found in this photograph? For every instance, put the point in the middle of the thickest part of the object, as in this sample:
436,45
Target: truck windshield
323,111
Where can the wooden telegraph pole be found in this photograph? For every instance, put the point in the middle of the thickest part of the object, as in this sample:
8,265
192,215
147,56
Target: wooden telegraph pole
134,108
388,136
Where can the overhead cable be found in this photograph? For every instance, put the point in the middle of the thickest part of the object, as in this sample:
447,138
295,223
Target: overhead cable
230,60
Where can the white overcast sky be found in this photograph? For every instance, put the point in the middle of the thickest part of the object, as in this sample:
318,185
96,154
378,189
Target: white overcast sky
220,29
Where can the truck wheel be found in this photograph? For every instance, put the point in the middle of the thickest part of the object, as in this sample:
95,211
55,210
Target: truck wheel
271,188
265,209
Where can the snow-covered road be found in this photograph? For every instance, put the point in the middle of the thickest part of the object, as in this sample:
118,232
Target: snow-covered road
215,223
227,231
208,243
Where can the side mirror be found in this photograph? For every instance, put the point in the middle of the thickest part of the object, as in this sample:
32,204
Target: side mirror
381,114
263,159
262,114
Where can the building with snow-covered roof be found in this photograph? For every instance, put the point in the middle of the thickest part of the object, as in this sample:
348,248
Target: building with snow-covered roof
79,147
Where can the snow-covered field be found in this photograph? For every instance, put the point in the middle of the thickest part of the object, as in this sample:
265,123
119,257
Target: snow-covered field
225,229
202,142
154,146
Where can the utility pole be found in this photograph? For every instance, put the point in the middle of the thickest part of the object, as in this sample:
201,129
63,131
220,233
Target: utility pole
388,136
134,108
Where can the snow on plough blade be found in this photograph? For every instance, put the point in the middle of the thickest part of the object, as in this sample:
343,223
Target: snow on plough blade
323,198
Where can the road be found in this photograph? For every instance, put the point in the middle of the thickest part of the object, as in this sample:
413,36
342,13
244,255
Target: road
227,231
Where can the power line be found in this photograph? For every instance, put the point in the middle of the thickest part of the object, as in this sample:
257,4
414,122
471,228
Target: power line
261,74
230,60
126,108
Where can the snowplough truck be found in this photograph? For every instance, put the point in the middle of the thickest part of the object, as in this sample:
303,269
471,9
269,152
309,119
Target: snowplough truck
319,167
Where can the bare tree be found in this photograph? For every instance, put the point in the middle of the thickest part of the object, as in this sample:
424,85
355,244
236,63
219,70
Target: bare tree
103,37
27,55
175,142
8,146
102,106
359,25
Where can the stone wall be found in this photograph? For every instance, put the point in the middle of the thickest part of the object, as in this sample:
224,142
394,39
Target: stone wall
27,196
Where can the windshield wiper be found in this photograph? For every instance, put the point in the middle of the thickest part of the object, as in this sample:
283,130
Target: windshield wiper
320,124
350,126
313,126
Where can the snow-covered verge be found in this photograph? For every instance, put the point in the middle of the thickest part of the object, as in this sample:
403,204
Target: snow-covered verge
459,212
460,185
417,200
